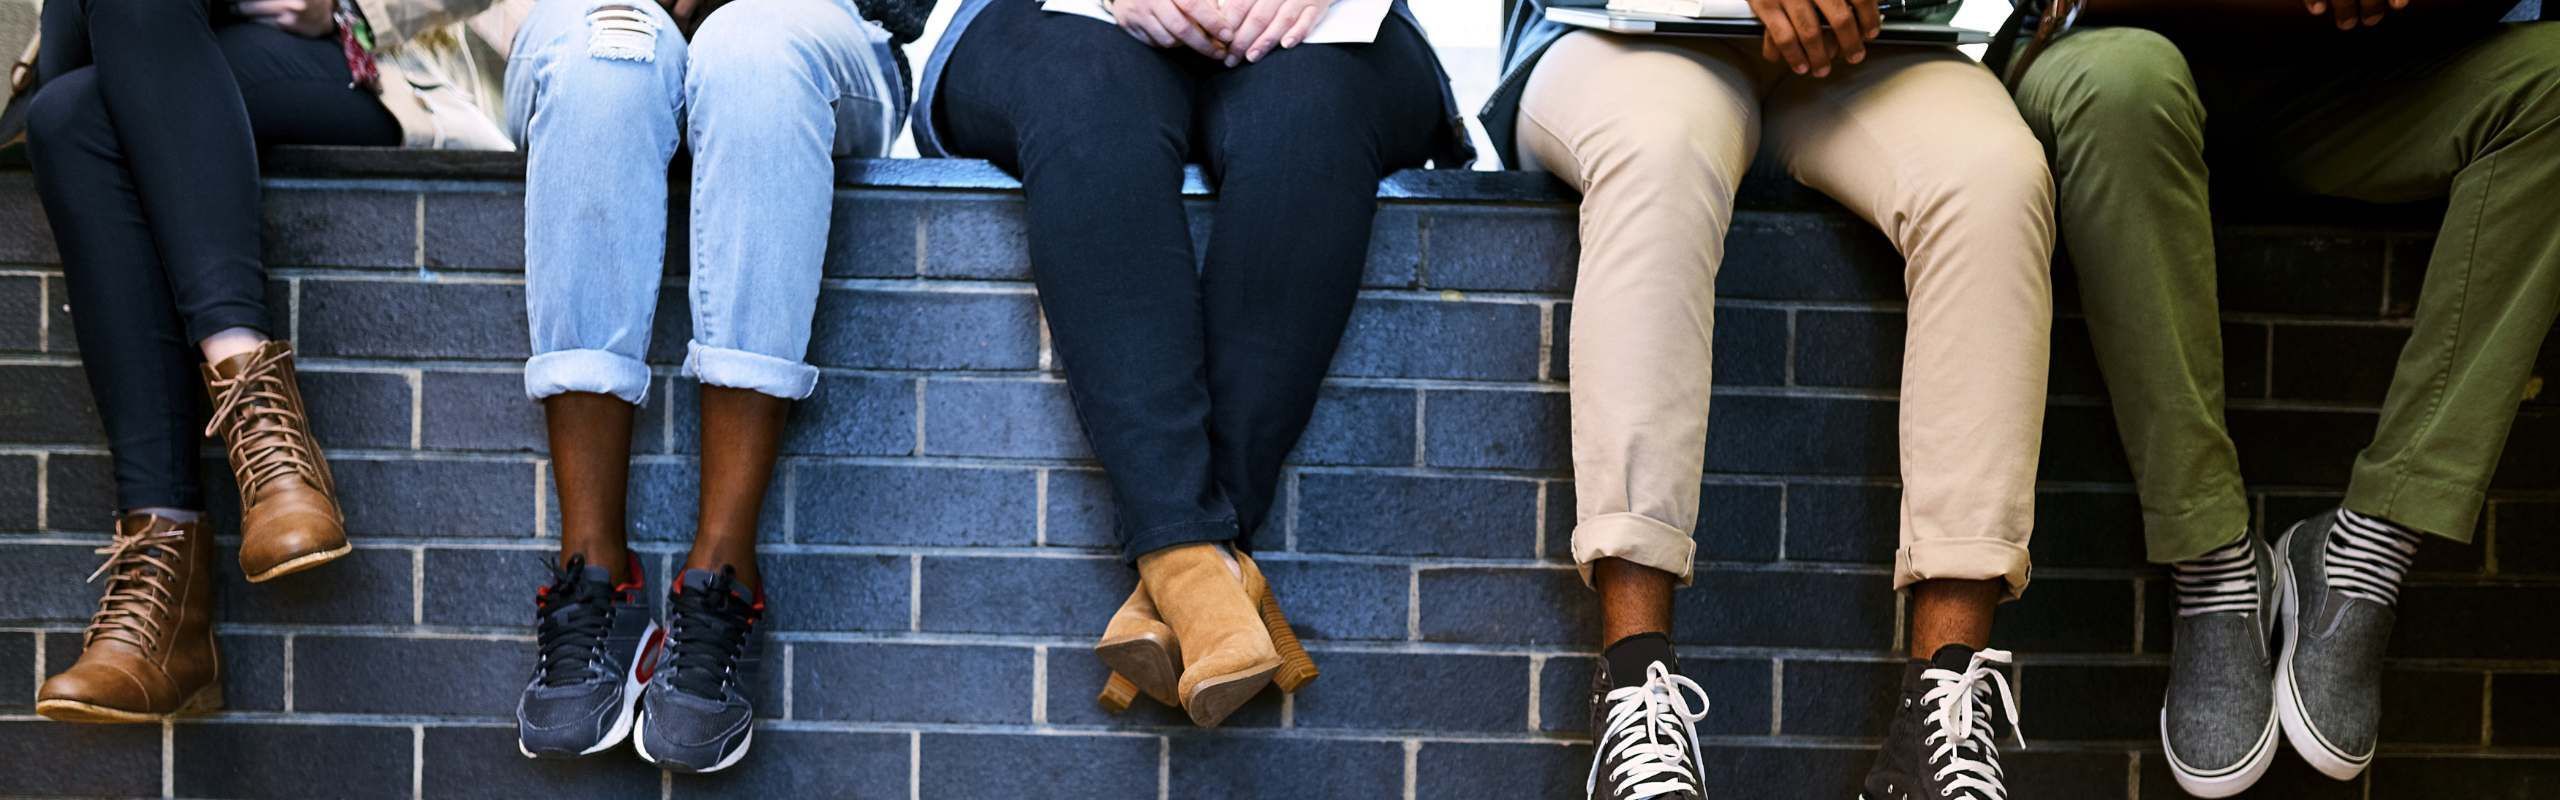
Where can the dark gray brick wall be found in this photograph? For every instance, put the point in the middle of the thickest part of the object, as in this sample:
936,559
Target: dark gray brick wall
938,542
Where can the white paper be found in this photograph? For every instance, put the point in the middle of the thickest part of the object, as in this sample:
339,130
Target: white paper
1347,22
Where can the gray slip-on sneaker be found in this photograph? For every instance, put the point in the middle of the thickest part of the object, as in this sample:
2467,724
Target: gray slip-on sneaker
2218,721
2329,679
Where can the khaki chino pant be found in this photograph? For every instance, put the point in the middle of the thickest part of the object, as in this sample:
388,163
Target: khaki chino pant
1656,132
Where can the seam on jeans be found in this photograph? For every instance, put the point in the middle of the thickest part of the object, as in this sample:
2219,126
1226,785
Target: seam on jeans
2453,344
1581,172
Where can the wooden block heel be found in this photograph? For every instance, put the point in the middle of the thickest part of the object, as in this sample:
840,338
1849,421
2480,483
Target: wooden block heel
1117,694
1296,668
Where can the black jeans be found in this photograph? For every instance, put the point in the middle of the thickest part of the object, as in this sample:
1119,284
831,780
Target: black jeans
1192,378
141,136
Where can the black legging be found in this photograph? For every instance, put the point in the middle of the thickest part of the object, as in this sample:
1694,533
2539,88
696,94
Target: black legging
1192,385
140,137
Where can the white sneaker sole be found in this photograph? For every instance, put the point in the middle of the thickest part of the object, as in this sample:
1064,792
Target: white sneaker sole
2298,730
624,721
640,742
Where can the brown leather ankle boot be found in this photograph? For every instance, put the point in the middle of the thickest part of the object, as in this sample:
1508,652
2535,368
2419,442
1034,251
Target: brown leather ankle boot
148,654
1140,650
1227,654
289,518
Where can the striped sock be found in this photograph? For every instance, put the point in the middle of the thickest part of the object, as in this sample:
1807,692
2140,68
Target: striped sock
2367,556
2220,581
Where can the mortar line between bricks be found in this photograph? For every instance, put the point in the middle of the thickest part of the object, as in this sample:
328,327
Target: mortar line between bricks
38,684
1164,768
418,586
2488,707
1538,519
44,313
44,492
1777,696
1537,665
417,381
418,762
1412,763
168,758
1040,685
2133,776
2140,588
915,765
285,672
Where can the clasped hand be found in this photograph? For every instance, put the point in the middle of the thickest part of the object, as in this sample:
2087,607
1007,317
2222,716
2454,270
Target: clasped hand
1794,32
313,18
1232,31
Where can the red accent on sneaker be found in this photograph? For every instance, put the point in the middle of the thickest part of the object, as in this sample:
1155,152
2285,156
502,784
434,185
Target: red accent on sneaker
648,666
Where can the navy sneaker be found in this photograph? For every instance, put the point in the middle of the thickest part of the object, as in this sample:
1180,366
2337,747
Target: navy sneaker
592,634
694,715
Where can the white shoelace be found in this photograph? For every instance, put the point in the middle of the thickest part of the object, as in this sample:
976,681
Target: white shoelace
2366,557
1960,725
1653,735
2224,580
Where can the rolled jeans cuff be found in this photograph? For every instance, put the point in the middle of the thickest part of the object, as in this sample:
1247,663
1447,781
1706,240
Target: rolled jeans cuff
2441,508
598,371
2171,537
1638,539
1139,543
1966,559
739,369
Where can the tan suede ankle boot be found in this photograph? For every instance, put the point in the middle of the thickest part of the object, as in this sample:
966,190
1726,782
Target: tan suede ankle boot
148,654
1227,655
289,519
1142,654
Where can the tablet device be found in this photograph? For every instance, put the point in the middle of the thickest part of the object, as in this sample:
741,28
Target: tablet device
1630,22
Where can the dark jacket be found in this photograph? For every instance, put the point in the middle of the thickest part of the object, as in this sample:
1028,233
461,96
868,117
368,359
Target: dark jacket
1526,35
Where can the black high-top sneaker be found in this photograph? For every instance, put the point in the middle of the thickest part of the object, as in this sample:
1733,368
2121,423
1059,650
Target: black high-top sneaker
1944,741
1644,729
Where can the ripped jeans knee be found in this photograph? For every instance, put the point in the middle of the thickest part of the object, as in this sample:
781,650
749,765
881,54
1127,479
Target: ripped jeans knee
621,30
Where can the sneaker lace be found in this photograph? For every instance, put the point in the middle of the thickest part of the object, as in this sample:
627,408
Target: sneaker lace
573,615
1964,743
1652,736
138,568
254,417
711,625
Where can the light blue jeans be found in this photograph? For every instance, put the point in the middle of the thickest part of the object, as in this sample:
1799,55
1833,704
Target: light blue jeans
771,92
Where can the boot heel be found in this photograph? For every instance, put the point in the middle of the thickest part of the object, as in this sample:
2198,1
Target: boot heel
1117,694
1296,668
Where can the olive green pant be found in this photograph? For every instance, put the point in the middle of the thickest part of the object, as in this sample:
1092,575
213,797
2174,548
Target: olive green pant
2475,120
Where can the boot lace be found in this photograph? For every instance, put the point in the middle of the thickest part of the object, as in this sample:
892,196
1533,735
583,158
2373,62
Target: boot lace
253,415
573,616
1964,744
138,570
1652,737
711,625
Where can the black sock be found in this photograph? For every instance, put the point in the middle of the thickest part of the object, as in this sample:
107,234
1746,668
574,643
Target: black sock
1629,657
